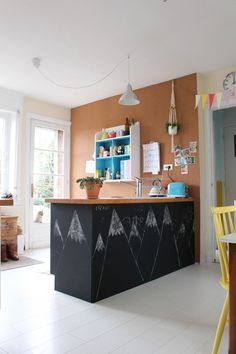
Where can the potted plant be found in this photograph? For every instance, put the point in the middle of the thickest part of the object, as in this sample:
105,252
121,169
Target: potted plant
92,186
172,128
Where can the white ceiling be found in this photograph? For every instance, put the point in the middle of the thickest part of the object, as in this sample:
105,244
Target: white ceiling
80,41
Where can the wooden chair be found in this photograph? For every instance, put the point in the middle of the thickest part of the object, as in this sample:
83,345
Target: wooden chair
224,224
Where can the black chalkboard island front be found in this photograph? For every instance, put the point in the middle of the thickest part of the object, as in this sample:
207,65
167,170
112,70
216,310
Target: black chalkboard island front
105,246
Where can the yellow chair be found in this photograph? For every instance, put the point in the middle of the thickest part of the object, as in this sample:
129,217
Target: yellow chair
224,224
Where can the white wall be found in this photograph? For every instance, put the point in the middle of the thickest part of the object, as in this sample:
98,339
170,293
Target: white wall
30,105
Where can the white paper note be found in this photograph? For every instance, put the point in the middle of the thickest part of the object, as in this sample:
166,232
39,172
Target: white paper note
151,158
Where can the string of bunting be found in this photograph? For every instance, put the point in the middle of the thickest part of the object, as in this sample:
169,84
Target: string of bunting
214,99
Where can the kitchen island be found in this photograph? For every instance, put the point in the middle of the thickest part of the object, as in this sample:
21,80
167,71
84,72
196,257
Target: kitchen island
101,247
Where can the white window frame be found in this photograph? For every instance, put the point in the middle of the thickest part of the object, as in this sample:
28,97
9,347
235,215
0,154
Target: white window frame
32,118
9,117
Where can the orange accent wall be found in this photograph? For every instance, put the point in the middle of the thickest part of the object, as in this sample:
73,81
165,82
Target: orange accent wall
152,113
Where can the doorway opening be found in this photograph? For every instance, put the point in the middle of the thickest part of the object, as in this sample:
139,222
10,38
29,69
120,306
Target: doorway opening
224,138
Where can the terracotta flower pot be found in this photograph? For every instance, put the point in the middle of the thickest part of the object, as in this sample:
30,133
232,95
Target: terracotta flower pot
92,190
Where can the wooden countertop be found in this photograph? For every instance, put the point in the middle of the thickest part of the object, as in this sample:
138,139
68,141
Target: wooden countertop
117,200
6,202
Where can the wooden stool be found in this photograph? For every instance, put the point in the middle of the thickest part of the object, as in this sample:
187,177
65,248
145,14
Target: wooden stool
9,236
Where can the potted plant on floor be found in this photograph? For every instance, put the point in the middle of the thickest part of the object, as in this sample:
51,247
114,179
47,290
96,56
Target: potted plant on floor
92,186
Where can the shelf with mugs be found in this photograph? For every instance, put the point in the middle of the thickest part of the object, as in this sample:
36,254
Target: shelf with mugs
117,155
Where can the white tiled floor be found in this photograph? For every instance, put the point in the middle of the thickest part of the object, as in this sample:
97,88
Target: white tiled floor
176,314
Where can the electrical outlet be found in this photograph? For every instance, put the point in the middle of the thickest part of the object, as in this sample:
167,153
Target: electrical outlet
168,167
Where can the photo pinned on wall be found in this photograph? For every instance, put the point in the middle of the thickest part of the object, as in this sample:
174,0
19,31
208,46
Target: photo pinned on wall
180,161
193,147
191,160
184,169
177,151
185,152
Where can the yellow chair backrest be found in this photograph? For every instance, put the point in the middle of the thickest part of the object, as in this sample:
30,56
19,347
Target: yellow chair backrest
224,218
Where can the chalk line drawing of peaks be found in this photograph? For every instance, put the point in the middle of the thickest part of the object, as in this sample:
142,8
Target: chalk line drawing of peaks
76,232
167,219
116,227
181,232
100,247
118,236
134,230
151,220
57,232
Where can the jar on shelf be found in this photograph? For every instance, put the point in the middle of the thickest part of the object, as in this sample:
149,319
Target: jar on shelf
114,149
120,150
108,173
126,126
104,134
117,174
101,151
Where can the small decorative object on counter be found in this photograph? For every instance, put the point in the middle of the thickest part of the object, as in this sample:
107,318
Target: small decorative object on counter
118,175
126,126
91,185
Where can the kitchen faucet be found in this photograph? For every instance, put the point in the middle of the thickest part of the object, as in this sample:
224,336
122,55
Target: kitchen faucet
138,192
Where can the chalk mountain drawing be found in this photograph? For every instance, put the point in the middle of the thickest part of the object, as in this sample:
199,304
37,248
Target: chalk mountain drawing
57,232
116,227
149,244
98,260
58,244
75,235
76,232
99,244
134,237
167,246
181,232
75,252
117,249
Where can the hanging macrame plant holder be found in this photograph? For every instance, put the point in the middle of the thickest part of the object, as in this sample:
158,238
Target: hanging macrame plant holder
172,122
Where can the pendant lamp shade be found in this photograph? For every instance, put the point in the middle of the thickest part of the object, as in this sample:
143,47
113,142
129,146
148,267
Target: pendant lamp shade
129,98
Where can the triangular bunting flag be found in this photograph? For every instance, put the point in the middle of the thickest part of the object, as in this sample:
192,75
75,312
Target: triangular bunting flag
219,98
204,99
197,100
211,97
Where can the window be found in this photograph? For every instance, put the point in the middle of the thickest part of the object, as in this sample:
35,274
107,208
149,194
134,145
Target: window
8,147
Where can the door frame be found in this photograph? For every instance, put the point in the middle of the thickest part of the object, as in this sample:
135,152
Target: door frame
50,122
207,180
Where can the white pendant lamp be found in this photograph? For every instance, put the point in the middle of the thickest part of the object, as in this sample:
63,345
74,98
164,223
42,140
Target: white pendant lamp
129,98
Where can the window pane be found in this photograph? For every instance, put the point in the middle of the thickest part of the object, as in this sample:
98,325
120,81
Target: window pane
1,149
48,162
49,139
47,187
